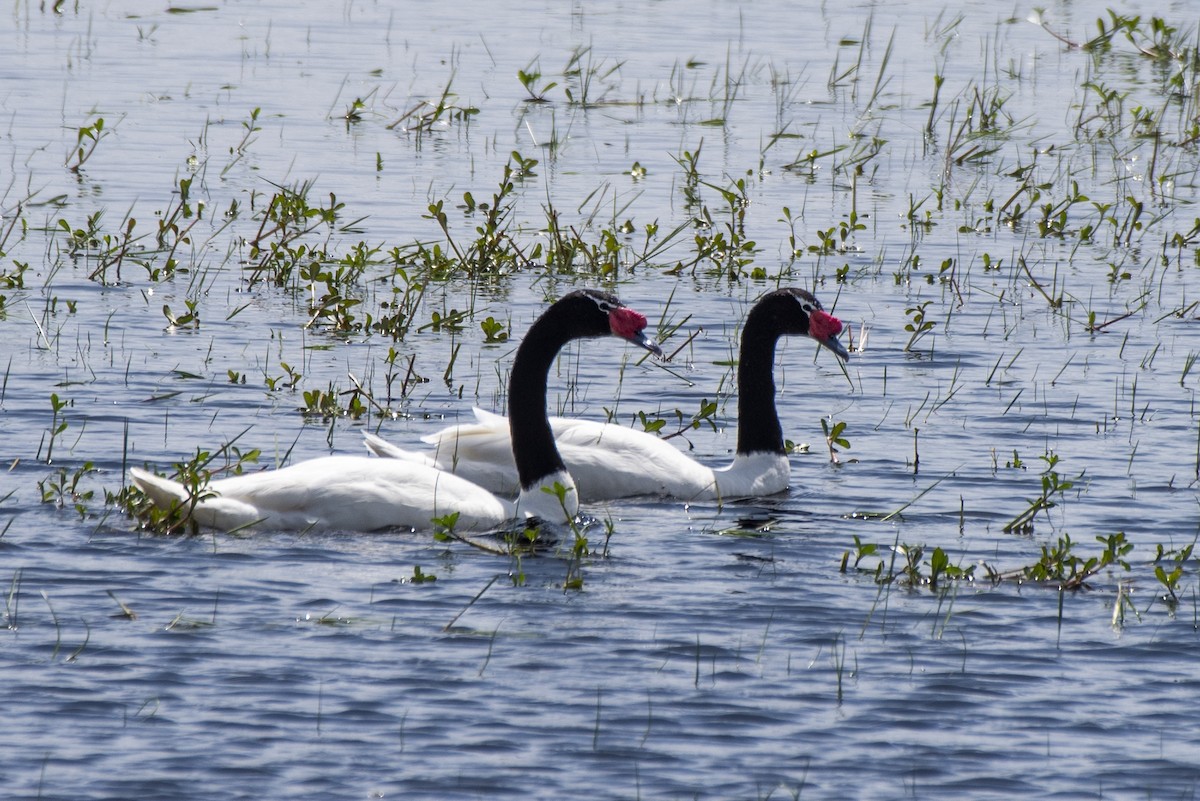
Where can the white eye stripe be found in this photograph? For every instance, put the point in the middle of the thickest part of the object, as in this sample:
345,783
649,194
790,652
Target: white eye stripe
808,306
604,304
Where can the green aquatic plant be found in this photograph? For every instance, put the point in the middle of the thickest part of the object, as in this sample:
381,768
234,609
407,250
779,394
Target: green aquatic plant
1054,217
940,568
353,113
327,404
63,488
190,318
1172,573
421,577
919,325
905,565
85,239
249,128
582,77
806,163
493,331
705,414
443,527
87,139
409,380
579,549
288,380
493,251
174,229
650,425
12,279
331,287
862,550
58,422
1053,486
426,116
1060,565
835,438
397,312
1157,40
452,320
689,162
276,252
100,250
531,79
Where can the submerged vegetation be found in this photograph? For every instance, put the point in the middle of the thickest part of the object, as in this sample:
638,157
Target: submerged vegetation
1014,227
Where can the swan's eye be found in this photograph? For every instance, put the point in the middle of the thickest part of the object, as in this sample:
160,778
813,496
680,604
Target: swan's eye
808,306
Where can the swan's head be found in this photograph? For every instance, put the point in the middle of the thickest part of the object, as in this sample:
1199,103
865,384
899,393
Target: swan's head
799,312
616,318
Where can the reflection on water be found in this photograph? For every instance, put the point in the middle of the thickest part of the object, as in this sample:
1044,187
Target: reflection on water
701,659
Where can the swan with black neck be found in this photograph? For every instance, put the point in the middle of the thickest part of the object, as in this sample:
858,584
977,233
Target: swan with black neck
611,461
361,493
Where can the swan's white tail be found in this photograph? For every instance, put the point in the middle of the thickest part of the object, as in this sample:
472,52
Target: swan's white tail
381,447
163,492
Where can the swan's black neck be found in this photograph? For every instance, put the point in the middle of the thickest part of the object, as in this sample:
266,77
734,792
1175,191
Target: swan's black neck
533,441
759,430
784,311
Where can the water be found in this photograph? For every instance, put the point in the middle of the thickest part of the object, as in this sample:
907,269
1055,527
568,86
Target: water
702,658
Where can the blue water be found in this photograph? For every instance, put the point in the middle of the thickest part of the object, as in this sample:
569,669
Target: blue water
715,652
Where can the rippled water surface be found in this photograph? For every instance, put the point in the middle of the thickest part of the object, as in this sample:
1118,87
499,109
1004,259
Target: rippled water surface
1033,202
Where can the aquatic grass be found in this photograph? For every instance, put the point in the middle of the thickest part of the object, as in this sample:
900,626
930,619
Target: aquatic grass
835,436
840,77
586,81
492,251
1170,581
837,653
181,622
275,252
726,87
1059,566
919,325
87,139
12,601
805,162
9,523
57,625
174,229
1053,485
426,116
63,488
126,611
250,127
450,625
1062,568
689,162
531,79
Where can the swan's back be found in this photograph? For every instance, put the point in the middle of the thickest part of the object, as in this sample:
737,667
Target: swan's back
606,460
353,493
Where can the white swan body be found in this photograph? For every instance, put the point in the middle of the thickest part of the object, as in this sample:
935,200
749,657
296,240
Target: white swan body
354,493
362,494
612,461
335,492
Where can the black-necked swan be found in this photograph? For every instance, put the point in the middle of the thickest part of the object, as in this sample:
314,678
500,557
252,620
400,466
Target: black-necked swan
612,461
360,493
